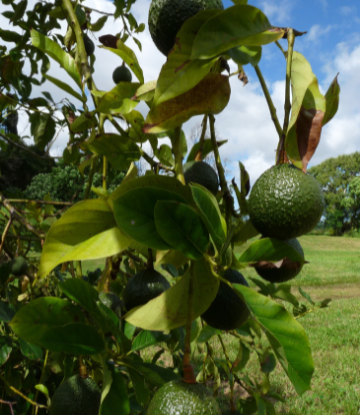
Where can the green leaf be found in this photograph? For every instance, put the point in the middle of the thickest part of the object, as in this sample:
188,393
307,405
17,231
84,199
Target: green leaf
66,87
86,231
206,333
306,296
283,292
81,292
169,310
82,123
99,24
114,398
246,232
207,149
118,99
286,336
19,10
165,155
210,96
79,339
129,57
242,357
148,338
141,390
7,312
145,92
42,128
119,150
180,74
136,120
209,213
332,100
154,373
54,50
31,351
243,55
5,349
181,227
43,314
237,25
9,36
136,218
270,249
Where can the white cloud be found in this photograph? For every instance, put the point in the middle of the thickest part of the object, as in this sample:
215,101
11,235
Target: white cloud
277,11
317,31
348,10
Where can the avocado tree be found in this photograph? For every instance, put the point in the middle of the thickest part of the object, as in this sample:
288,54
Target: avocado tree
168,237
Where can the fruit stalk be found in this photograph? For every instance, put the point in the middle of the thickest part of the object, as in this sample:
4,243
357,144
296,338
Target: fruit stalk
177,150
269,101
41,379
280,153
189,376
221,172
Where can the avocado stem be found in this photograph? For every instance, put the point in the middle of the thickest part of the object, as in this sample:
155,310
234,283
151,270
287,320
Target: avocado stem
150,260
177,150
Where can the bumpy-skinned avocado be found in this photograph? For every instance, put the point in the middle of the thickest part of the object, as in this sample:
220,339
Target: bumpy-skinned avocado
122,74
285,272
285,202
18,266
228,311
181,398
76,396
89,45
201,173
112,301
143,287
167,16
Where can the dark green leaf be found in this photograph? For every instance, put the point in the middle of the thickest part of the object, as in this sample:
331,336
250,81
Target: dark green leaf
141,390
81,292
99,24
243,55
283,292
19,10
155,373
80,14
65,87
5,349
206,333
31,351
42,128
234,26
82,123
165,155
181,227
286,336
306,296
114,398
7,312
332,100
148,338
8,36
79,339
245,233
207,149
242,357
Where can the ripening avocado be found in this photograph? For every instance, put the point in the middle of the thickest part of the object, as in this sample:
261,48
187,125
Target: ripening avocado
76,396
18,266
227,311
180,398
89,45
201,173
122,74
143,287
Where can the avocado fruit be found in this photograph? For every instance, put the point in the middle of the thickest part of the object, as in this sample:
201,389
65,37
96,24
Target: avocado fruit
181,398
285,203
201,173
228,311
18,266
76,396
143,287
112,301
167,16
286,272
121,74
89,45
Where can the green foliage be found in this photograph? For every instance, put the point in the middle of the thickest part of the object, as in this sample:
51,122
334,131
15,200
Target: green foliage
65,183
338,178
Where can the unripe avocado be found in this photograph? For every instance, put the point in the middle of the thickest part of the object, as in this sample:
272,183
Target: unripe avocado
284,273
143,287
167,16
76,396
89,45
201,173
122,74
228,311
18,266
180,398
112,301
285,202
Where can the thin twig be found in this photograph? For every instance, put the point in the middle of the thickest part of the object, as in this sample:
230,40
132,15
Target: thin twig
40,202
199,155
10,404
27,399
3,237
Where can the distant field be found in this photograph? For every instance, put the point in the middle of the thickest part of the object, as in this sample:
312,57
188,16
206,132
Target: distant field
334,333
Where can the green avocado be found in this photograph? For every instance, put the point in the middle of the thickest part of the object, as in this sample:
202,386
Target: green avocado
111,300
89,45
180,398
143,287
167,16
122,74
76,396
18,266
284,273
201,173
227,311
285,202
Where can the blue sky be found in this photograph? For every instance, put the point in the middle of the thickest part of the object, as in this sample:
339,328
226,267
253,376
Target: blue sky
332,45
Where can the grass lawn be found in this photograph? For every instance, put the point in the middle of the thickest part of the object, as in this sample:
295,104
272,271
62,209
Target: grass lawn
334,333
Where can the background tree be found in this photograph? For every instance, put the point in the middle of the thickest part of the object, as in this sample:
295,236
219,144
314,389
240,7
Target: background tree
339,179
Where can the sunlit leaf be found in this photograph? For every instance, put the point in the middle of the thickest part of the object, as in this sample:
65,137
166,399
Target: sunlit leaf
243,55
145,92
66,87
332,100
118,99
